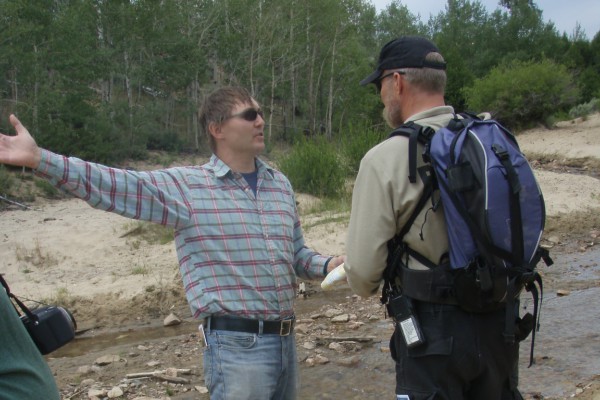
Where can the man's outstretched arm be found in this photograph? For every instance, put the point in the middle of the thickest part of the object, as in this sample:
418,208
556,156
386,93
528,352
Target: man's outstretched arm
20,150
156,196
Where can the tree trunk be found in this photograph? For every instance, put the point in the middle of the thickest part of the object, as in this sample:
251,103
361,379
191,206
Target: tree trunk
129,97
331,90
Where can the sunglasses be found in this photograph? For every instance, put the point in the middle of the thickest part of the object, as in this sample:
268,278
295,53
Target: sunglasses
249,114
381,78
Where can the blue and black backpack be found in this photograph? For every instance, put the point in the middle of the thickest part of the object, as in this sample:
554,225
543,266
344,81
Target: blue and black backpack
495,216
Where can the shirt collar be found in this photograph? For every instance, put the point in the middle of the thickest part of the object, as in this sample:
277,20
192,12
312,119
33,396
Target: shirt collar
431,113
221,169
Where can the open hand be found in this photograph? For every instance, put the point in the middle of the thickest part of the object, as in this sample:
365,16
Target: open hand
21,149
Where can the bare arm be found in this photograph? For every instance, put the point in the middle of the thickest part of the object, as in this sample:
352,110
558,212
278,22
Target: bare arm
21,149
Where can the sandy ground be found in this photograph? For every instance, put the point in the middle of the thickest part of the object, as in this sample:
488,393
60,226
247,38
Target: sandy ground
93,260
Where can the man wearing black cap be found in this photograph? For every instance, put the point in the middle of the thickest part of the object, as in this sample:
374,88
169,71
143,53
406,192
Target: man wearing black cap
463,355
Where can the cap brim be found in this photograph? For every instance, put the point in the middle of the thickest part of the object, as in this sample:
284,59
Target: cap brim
371,78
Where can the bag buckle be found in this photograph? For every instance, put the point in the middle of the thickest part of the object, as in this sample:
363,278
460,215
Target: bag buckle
286,327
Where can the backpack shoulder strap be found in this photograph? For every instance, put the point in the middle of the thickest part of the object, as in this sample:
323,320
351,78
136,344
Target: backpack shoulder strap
415,134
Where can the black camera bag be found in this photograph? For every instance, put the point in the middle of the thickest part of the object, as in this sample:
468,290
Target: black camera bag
50,327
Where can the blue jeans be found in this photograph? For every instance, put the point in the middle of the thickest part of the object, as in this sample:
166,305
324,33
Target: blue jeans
247,366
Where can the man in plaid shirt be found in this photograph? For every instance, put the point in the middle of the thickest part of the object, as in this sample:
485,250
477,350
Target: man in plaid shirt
237,235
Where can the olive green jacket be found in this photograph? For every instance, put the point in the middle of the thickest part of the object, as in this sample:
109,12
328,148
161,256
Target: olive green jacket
24,373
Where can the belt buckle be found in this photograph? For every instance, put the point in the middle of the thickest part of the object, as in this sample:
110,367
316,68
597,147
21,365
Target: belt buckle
286,327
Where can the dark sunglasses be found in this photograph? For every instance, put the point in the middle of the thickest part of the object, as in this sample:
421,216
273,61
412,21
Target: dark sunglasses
249,114
381,78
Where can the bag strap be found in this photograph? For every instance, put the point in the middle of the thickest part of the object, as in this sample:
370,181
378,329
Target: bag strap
415,134
22,306
396,248
515,203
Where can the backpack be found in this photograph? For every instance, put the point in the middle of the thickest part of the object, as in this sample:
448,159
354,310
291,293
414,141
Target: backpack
495,214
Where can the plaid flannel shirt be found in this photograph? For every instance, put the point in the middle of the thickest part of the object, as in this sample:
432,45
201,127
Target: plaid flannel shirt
239,254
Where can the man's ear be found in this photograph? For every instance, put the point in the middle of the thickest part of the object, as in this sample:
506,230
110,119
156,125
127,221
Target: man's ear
399,83
214,129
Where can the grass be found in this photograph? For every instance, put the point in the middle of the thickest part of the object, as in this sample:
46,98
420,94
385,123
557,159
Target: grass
148,232
327,211
47,189
140,270
35,256
163,294
61,298
163,158
327,220
337,205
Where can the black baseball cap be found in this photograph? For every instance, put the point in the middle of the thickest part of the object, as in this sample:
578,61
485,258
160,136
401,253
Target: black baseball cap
405,52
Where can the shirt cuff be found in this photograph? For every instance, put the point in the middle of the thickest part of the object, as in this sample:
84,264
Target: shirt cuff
325,266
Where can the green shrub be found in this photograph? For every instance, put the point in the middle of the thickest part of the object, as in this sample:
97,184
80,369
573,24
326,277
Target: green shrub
356,141
313,167
584,109
523,94
588,83
47,189
6,181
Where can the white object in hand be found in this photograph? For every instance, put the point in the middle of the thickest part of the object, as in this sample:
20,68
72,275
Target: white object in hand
336,276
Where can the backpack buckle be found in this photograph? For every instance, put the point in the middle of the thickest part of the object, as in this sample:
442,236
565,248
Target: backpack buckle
500,152
527,277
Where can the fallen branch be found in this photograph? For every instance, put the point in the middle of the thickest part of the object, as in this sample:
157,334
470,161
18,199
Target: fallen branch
75,393
157,373
172,379
14,202
360,339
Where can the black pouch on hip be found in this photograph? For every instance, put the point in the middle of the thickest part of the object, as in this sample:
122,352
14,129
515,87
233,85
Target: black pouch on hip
401,310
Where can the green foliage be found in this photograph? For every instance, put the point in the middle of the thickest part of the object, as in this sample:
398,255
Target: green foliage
6,181
355,142
150,232
313,167
397,20
109,80
460,34
581,110
589,83
46,188
521,94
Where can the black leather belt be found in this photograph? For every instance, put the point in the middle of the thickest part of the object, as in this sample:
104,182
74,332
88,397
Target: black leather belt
227,323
